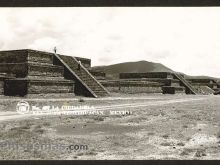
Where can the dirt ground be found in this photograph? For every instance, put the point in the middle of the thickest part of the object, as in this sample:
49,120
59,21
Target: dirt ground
154,126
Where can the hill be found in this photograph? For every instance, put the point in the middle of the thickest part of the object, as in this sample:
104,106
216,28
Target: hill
112,71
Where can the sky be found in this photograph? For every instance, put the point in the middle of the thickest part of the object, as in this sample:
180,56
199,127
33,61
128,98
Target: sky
184,39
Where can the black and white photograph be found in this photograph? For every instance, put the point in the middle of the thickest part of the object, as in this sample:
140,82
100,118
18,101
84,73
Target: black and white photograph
109,83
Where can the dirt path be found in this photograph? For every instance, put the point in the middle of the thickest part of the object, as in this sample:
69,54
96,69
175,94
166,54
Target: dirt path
6,116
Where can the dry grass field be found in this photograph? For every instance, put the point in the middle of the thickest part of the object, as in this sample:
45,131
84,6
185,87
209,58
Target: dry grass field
156,127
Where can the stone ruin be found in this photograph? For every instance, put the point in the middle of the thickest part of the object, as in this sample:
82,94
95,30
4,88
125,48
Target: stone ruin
24,72
150,82
205,85
160,82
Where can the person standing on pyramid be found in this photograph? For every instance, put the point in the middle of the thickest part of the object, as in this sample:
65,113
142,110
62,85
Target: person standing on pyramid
55,49
79,65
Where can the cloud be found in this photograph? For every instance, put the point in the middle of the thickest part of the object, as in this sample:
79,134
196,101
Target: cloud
44,43
184,39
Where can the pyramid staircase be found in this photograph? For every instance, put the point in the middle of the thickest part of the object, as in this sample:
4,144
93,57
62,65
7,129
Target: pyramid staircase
37,72
217,89
204,85
166,80
84,79
185,83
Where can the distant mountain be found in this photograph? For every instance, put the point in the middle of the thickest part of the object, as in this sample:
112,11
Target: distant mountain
112,71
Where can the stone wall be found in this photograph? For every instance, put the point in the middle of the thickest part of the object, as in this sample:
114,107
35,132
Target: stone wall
98,74
45,70
200,80
23,87
210,85
173,90
3,76
15,88
40,57
26,55
203,82
25,69
133,89
1,87
132,86
19,69
139,89
162,81
50,87
34,73
146,75
15,56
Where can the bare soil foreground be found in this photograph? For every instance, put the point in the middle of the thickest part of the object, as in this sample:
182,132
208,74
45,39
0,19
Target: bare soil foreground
145,127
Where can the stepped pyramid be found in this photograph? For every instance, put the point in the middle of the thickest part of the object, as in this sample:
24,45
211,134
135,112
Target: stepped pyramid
205,85
28,71
169,82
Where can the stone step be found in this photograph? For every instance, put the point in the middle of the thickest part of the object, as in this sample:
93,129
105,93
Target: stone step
188,87
98,91
24,86
204,90
82,75
32,69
